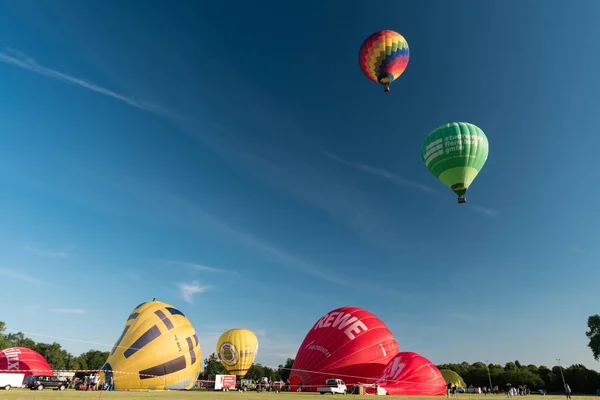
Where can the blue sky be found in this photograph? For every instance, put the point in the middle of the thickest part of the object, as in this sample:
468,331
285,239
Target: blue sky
234,161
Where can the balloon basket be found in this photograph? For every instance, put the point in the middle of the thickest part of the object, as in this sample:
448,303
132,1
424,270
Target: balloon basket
462,200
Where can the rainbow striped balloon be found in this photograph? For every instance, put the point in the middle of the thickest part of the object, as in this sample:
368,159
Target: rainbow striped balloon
383,57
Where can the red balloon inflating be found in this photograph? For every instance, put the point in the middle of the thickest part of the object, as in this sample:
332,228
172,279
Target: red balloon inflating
348,343
410,374
24,361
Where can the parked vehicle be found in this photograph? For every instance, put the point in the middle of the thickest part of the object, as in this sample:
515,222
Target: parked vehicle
11,380
45,382
333,386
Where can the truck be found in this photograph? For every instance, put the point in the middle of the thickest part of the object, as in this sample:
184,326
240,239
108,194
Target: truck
333,386
9,380
225,382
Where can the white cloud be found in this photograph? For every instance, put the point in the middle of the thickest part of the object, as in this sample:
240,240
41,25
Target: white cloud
49,253
12,274
20,60
487,211
579,250
134,276
188,290
199,267
383,173
69,311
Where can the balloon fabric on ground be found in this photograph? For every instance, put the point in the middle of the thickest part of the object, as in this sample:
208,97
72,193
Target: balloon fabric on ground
158,349
455,153
237,349
410,374
383,57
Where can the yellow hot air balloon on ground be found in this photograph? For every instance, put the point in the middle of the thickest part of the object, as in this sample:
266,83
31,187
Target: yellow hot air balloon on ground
237,349
157,350
453,377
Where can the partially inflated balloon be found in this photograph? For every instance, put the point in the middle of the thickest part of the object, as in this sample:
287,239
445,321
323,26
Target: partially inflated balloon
383,57
410,374
348,343
21,360
237,349
453,378
455,153
158,349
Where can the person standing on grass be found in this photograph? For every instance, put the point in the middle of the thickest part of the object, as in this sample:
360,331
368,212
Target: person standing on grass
568,391
448,389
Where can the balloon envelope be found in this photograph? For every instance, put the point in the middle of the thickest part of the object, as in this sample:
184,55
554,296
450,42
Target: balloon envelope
24,361
453,377
455,153
410,374
158,349
383,57
348,343
237,349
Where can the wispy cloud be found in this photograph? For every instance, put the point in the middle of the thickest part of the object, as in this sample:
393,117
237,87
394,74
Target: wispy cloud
188,290
12,274
134,276
487,211
198,267
284,170
20,60
381,172
69,311
49,253
579,250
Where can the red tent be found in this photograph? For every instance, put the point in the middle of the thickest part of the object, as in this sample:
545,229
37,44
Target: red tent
25,361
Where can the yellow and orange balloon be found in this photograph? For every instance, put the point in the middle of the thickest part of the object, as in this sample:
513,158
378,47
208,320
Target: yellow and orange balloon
237,350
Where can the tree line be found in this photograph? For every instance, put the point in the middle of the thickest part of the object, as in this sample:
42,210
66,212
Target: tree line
580,378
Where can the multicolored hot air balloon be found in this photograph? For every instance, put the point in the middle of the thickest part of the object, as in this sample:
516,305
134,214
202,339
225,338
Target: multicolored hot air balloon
409,374
237,349
21,360
383,57
347,343
455,153
157,350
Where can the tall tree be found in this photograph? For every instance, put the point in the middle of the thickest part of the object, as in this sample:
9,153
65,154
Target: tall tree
3,342
594,335
284,370
213,366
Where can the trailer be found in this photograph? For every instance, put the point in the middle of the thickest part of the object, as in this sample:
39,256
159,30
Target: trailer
225,382
9,380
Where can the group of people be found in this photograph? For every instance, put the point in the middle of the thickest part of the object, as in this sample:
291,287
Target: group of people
511,390
93,382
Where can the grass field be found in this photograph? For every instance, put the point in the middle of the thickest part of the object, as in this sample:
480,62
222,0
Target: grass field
210,395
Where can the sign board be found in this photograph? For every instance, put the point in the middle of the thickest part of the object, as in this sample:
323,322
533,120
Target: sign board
225,382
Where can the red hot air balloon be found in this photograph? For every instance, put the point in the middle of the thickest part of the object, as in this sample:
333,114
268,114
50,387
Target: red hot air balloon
348,343
410,374
24,361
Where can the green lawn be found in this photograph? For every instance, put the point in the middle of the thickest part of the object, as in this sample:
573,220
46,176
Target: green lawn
210,395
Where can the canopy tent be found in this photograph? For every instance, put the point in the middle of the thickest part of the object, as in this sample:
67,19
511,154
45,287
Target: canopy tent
452,377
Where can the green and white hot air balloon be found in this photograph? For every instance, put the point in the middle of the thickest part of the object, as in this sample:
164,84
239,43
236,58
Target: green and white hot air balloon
455,153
